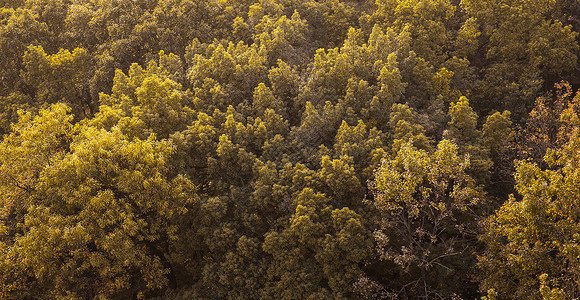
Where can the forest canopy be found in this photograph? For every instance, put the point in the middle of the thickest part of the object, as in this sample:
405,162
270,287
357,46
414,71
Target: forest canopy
289,149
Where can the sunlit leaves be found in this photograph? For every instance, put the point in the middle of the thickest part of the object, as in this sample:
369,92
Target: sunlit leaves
426,202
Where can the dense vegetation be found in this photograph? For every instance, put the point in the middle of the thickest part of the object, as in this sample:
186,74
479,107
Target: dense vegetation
289,149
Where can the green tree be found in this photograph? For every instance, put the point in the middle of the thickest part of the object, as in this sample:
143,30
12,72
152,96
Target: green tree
428,22
145,101
226,74
11,104
546,128
525,47
532,240
114,235
405,128
462,129
362,79
498,137
317,255
281,38
365,146
53,13
178,21
428,207
36,140
60,77
20,28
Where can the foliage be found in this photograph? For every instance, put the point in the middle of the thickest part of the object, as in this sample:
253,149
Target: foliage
428,206
111,236
228,149
532,241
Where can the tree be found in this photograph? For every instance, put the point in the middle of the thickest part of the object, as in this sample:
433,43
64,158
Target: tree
179,21
229,149
317,255
365,146
114,235
428,22
377,62
60,77
532,240
546,127
525,47
53,14
405,128
462,129
145,101
11,104
498,136
281,38
226,75
36,140
20,28
428,207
